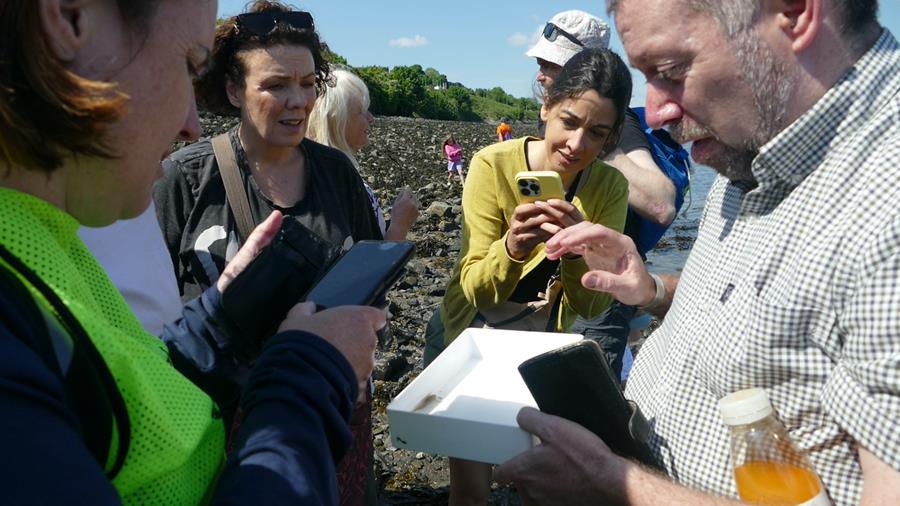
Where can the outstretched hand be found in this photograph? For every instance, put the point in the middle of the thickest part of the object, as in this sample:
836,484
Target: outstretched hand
570,466
261,237
404,213
616,266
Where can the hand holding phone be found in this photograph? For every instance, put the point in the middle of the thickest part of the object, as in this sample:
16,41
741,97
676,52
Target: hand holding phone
539,185
350,329
576,382
527,223
363,275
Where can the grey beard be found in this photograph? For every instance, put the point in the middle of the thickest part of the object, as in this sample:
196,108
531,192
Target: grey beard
771,85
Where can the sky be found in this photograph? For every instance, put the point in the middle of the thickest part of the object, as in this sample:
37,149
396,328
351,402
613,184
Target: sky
478,43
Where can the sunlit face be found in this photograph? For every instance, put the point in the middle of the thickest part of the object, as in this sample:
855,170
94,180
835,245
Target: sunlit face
278,94
727,105
357,130
577,130
152,68
547,72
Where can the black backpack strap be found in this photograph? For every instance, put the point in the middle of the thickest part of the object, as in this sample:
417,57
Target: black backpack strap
66,348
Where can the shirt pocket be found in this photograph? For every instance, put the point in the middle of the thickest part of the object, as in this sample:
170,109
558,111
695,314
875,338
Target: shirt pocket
774,345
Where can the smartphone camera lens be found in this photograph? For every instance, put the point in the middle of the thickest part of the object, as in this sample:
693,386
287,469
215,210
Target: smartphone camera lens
525,191
535,188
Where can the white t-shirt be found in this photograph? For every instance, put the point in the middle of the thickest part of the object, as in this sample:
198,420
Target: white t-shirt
134,255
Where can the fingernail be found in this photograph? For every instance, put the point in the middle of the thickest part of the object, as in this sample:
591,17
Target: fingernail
592,281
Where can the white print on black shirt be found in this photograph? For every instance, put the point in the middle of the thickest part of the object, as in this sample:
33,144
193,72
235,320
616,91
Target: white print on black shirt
205,241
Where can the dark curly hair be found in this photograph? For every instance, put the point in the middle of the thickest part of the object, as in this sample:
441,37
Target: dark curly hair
225,63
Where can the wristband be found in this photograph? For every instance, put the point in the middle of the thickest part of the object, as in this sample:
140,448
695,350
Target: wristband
660,293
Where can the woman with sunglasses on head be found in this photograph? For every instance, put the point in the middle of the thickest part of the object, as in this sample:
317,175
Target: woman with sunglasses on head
341,119
502,264
95,409
267,67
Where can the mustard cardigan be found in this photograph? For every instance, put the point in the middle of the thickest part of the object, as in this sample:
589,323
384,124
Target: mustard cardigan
485,275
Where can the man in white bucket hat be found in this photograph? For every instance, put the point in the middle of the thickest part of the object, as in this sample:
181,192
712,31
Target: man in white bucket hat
565,35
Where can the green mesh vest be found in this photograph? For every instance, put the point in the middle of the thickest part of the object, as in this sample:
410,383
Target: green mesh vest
177,447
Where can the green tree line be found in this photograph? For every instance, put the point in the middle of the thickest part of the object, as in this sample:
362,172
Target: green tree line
425,93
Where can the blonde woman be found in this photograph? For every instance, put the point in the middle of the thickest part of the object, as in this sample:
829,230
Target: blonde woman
341,119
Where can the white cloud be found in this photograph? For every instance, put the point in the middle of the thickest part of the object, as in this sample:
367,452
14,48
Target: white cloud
517,39
416,41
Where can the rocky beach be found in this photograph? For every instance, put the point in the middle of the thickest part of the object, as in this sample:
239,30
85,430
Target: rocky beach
407,152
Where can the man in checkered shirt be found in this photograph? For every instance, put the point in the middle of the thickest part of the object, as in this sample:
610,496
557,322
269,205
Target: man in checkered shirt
793,284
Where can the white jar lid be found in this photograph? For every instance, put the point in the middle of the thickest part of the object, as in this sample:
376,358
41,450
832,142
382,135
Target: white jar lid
745,406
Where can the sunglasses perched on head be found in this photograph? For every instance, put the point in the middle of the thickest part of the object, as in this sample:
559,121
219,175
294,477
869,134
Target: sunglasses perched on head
262,23
552,31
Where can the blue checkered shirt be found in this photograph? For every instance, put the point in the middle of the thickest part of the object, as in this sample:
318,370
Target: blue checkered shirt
793,286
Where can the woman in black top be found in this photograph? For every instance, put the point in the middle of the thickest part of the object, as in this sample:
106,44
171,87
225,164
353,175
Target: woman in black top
268,69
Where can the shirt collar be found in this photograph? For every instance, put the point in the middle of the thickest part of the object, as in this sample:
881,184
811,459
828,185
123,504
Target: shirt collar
864,89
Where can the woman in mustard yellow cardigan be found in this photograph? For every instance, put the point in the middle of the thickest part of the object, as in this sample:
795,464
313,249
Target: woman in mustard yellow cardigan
502,255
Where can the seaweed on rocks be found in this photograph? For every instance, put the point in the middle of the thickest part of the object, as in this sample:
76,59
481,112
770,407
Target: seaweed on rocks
407,152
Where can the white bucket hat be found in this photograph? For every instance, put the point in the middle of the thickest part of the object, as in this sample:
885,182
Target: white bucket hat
588,29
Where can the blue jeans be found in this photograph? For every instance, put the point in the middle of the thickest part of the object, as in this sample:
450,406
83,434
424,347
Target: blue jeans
610,330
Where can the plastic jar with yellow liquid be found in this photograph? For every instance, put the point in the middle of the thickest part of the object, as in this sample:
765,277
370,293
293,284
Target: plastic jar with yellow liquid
769,469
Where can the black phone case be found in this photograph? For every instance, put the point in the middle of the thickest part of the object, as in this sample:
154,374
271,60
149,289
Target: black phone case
337,288
576,382
258,299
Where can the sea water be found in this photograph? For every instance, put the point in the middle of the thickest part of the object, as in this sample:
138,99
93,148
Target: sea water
672,251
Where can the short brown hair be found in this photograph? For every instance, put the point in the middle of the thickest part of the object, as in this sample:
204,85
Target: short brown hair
225,64
46,111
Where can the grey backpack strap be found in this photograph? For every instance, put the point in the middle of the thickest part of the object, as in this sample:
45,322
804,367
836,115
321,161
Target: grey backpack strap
234,186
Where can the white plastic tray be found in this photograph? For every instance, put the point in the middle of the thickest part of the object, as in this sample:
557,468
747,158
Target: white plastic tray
465,403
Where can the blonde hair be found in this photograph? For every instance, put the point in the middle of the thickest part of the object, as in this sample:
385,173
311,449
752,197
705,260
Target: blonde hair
328,120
